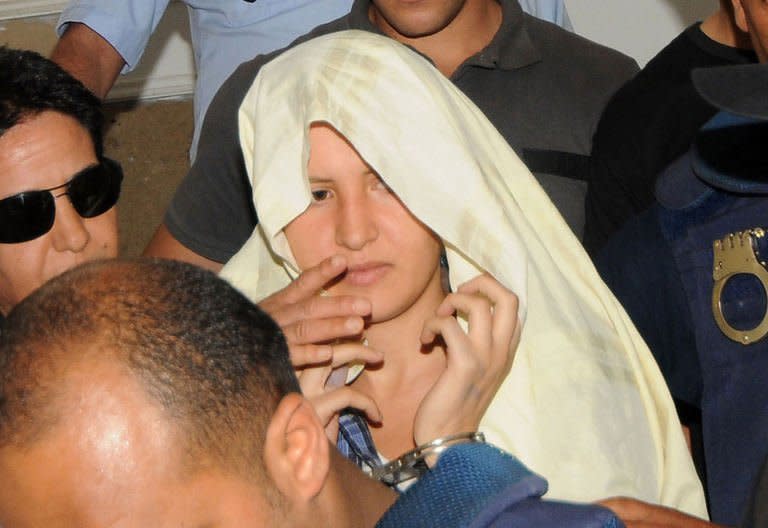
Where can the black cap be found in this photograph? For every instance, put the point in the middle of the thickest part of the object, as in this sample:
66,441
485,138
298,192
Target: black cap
730,151
741,89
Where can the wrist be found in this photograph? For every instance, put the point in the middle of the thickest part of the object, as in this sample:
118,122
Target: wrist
416,462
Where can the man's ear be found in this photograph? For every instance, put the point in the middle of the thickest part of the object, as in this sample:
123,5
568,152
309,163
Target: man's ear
296,450
739,16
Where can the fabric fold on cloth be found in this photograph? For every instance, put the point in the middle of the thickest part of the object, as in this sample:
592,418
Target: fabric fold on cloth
585,404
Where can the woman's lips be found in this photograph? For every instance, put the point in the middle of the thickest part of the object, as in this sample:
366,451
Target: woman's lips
366,274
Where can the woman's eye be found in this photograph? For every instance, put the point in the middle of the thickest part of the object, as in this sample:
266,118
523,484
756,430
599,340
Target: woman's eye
319,195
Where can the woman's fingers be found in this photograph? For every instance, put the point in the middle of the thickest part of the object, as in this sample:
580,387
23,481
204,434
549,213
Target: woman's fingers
309,319
478,310
313,378
318,329
306,316
308,355
306,285
355,352
460,349
331,403
505,306
477,360
338,354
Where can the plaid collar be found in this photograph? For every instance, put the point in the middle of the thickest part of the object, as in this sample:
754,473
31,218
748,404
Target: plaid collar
355,441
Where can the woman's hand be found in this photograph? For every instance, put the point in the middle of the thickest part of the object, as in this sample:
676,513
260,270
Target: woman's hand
329,400
309,320
312,323
477,361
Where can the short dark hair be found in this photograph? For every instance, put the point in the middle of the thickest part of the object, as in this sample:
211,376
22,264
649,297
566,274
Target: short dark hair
214,362
31,84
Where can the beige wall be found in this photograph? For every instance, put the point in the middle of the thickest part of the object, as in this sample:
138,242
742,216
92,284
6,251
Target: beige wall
639,28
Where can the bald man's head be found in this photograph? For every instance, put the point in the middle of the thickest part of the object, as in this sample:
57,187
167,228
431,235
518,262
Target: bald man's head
213,363
151,393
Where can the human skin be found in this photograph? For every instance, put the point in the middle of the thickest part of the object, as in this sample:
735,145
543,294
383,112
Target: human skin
425,387
392,258
752,17
448,32
420,18
88,57
116,460
41,152
638,514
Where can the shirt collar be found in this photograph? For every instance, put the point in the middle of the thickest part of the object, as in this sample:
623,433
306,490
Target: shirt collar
358,17
511,48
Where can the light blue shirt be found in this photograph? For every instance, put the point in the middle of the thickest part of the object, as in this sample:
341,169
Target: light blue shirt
225,33
550,10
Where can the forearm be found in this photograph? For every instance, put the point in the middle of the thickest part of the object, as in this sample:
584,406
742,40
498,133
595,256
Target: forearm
164,245
89,57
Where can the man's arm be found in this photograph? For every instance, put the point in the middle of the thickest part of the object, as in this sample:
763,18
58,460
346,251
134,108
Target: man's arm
163,244
89,57
211,214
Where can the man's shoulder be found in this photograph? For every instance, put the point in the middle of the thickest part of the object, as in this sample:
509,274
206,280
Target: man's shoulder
576,53
340,24
667,76
676,58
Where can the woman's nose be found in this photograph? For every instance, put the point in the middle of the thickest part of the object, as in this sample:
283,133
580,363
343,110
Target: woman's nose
356,224
68,232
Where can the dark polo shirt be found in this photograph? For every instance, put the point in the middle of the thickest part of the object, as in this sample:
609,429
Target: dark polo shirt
543,87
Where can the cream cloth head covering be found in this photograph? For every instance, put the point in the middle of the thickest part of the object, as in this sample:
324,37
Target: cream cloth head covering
584,405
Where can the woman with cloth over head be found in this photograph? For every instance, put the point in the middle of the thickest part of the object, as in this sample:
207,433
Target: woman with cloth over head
366,165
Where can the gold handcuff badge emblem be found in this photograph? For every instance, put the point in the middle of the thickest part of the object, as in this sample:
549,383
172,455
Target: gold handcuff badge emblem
736,254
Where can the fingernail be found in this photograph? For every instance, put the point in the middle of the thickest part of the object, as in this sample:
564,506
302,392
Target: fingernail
337,261
361,307
354,324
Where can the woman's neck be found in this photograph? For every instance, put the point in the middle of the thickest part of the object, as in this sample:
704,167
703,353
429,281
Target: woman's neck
408,371
406,360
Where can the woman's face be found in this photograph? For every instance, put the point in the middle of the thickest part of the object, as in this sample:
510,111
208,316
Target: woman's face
43,152
393,258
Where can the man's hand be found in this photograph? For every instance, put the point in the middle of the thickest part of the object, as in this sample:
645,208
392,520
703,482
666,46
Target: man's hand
477,361
309,320
638,514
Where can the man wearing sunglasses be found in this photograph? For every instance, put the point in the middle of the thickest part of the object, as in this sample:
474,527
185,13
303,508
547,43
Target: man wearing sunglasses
57,191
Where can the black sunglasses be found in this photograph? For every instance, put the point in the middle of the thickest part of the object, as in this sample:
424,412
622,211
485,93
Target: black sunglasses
30,214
